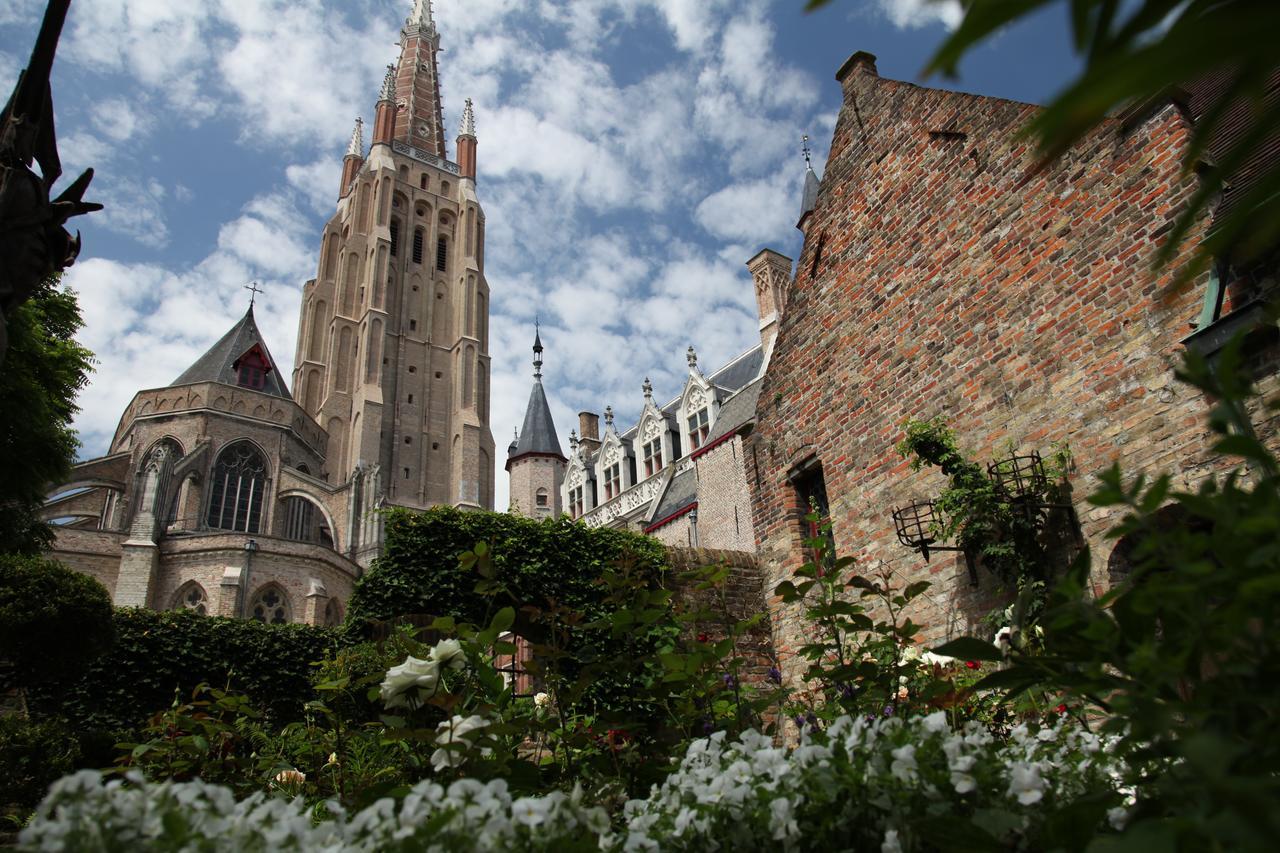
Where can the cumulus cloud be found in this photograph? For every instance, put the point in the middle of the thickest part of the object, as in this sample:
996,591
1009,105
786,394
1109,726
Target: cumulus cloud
750,210
912,14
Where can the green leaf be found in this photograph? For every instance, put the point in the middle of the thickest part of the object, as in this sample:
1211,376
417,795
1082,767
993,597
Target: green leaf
970,648
503,620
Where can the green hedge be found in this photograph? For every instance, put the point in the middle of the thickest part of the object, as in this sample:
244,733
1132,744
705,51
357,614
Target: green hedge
156,653
52,619
538,561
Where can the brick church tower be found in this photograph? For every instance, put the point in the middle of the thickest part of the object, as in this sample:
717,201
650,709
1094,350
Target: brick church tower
392,354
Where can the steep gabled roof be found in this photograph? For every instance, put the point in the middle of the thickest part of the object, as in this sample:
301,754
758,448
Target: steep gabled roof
219,363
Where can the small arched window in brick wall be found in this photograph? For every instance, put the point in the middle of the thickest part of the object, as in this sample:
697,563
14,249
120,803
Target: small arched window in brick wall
191,596
270,606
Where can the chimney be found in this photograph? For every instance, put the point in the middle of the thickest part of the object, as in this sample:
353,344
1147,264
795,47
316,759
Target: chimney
589,430
771,272
860,63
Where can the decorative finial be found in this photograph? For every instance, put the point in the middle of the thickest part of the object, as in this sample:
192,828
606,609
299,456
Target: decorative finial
537,351
468,120
356,148
691,356
421,16
389,84
608,417
804,148
573,441
254,290
648,389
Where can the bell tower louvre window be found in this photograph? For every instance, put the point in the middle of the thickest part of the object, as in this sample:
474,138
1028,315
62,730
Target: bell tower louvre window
442,254
395,237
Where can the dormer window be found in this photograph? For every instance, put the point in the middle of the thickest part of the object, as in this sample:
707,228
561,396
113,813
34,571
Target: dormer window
653,457
613,481
699,428
252,369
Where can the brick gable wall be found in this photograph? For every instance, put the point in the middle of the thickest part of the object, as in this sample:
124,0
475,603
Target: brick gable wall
943,274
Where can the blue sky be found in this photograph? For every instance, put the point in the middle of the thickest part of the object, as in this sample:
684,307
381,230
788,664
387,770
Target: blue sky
633,155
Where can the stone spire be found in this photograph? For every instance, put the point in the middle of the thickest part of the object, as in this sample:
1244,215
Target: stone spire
811,186
467,142
417,83
538,433
422,16
356,148
468,120
384,119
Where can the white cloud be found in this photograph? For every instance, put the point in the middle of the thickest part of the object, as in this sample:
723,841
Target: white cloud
133,207
120,120
750,210
912,14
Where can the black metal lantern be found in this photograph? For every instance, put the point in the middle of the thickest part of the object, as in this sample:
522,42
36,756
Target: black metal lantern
915,524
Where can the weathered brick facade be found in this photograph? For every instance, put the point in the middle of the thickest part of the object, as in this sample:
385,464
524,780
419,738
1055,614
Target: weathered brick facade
944,274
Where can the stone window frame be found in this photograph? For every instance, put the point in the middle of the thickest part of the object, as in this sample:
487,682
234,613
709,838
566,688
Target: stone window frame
698,405
542,498
191,596
652,451
807,479
275,603
256,499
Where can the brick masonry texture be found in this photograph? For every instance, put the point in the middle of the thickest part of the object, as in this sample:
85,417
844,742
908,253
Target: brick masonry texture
943,273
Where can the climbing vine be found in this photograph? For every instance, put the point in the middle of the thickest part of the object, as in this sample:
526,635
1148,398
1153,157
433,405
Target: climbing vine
1023,539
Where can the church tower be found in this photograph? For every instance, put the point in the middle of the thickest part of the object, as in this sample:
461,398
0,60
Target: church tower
393,340
534,461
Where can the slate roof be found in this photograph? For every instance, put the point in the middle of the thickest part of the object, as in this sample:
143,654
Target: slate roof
217,365
736,411
740,371
538,435
810,192
681,492
1203,96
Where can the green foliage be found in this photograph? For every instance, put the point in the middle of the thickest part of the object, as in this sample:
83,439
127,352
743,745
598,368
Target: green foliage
52,620
1019,538
535,562
43,370
156,653
33,754
1180,656
1140,52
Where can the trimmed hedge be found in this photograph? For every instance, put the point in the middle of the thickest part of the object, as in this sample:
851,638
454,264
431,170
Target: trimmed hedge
538,561
52,619
158,652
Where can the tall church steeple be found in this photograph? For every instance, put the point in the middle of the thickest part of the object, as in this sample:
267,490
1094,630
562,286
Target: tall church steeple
393,343
421,110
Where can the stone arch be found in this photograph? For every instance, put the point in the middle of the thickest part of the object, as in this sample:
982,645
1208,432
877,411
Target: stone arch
362,209
374,348
259,411
334,613
344,359
191,596
404,174
337,440
380,292
270,605
311,395
306,519
319,319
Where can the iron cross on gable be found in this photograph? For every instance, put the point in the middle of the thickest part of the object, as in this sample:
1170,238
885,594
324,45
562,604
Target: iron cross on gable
254,291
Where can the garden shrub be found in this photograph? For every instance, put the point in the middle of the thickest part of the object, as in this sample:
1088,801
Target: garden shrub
158,653
52,620
33,755
537,562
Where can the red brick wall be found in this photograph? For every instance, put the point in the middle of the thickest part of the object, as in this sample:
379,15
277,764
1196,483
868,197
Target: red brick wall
955,279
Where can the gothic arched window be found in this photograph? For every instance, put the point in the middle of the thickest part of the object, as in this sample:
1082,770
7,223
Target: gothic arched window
333,613
270,606
237,487
191,597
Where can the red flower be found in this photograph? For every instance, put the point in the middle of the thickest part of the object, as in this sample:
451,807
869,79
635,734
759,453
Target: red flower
702,638
1061,709
973,664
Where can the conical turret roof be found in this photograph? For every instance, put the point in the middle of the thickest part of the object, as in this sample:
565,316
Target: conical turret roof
538,435
220,363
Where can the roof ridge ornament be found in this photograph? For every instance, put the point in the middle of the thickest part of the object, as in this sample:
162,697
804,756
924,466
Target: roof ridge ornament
608,417
691,356
648,390
804,149
468,120
356,148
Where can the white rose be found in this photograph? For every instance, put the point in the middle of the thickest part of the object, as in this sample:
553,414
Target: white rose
456,730
911,653
408,684
448,653
541,700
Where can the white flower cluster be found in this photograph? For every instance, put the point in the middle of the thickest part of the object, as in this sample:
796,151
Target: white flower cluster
862,784
85,812
859,785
